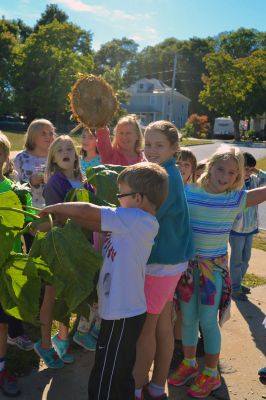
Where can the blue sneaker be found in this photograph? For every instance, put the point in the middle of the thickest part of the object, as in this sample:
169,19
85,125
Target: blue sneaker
95,331
50,357
61,347
85,340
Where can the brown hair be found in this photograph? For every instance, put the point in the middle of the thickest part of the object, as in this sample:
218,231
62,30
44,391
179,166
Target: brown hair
33,130
224,153
132,120
148,179
166,128
188,155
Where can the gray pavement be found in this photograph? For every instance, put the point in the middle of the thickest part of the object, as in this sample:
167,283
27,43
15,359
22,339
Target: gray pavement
243,353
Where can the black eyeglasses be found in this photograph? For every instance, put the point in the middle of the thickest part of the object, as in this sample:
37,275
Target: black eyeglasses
120,195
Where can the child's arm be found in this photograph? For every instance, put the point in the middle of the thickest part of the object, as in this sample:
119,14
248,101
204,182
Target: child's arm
85,214
104,144
256,196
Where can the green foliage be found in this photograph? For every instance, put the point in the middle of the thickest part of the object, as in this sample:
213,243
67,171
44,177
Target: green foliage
63,258
49,62
235,87
117,51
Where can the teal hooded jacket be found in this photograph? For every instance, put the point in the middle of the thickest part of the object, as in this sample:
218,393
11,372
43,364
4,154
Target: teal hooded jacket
173,244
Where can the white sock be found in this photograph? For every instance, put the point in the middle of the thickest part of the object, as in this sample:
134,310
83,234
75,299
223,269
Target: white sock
155,390
138,393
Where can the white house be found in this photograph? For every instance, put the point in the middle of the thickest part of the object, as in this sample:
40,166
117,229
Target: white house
153,100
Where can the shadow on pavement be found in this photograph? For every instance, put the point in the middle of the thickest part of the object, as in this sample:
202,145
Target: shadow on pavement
254,317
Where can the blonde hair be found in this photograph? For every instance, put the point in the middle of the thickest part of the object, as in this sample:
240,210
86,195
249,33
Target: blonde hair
148,179
52,167
132,120
224,153
33,130
5,144
188,155
167,129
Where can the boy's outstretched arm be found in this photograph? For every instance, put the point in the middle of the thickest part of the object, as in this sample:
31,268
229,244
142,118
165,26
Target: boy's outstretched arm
85,214
256,196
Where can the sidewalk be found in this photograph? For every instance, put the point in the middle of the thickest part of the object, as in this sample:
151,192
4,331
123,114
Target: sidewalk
243,353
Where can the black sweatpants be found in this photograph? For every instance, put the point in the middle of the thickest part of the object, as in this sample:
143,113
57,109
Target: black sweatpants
111,376
15,326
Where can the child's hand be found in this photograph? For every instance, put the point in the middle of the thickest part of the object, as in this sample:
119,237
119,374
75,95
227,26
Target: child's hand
36,179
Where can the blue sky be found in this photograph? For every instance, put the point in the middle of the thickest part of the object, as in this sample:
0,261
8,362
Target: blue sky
148,22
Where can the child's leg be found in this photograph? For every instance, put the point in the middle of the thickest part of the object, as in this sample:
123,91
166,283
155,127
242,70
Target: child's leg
246,254
210,326
146,348
111,377
46,316
164,346
3,340
236,260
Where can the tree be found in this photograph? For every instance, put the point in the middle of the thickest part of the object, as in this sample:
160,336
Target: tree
48,65
241,43
51,13
117,51
235,87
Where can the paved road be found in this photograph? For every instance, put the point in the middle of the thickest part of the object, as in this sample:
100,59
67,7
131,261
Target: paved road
206,150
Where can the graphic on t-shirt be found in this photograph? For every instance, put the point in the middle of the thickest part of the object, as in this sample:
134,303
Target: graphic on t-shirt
108,247
107,283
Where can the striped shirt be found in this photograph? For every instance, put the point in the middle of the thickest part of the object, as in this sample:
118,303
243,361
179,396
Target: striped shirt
212,217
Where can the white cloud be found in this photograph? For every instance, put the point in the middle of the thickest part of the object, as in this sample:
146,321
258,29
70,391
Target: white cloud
101,11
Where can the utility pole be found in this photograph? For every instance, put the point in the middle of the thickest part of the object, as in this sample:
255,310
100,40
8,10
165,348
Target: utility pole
172,90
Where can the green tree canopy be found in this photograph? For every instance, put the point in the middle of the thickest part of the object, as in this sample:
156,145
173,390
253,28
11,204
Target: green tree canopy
48,63
242,43
235,87
52,11
117,51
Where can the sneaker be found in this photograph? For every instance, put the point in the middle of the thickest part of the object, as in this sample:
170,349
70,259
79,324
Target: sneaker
204,385
182,374
85,340
147,396
50,357
23,342
62,349
8,384
95,330
239,296
262,373
245,289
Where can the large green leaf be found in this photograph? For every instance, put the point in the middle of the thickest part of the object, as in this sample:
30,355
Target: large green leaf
104,179
19,293
11,218
73,263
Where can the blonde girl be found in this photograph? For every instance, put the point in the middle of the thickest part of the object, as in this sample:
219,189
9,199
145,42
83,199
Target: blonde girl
168,259
187,163
205,287
126,146
89,153
30,163
63,174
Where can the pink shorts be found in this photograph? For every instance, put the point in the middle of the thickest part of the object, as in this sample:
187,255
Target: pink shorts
159,290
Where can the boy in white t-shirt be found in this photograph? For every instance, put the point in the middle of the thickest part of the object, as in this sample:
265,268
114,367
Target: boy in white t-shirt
122,306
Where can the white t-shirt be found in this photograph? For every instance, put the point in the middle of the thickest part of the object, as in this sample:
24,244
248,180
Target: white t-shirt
127,247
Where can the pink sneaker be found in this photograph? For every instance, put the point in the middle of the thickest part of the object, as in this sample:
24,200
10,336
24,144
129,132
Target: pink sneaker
204,385
183,373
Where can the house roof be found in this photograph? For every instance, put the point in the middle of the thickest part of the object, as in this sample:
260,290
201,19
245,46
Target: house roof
153,86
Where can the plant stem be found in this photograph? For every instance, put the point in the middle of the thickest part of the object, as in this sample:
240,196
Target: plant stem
19,211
